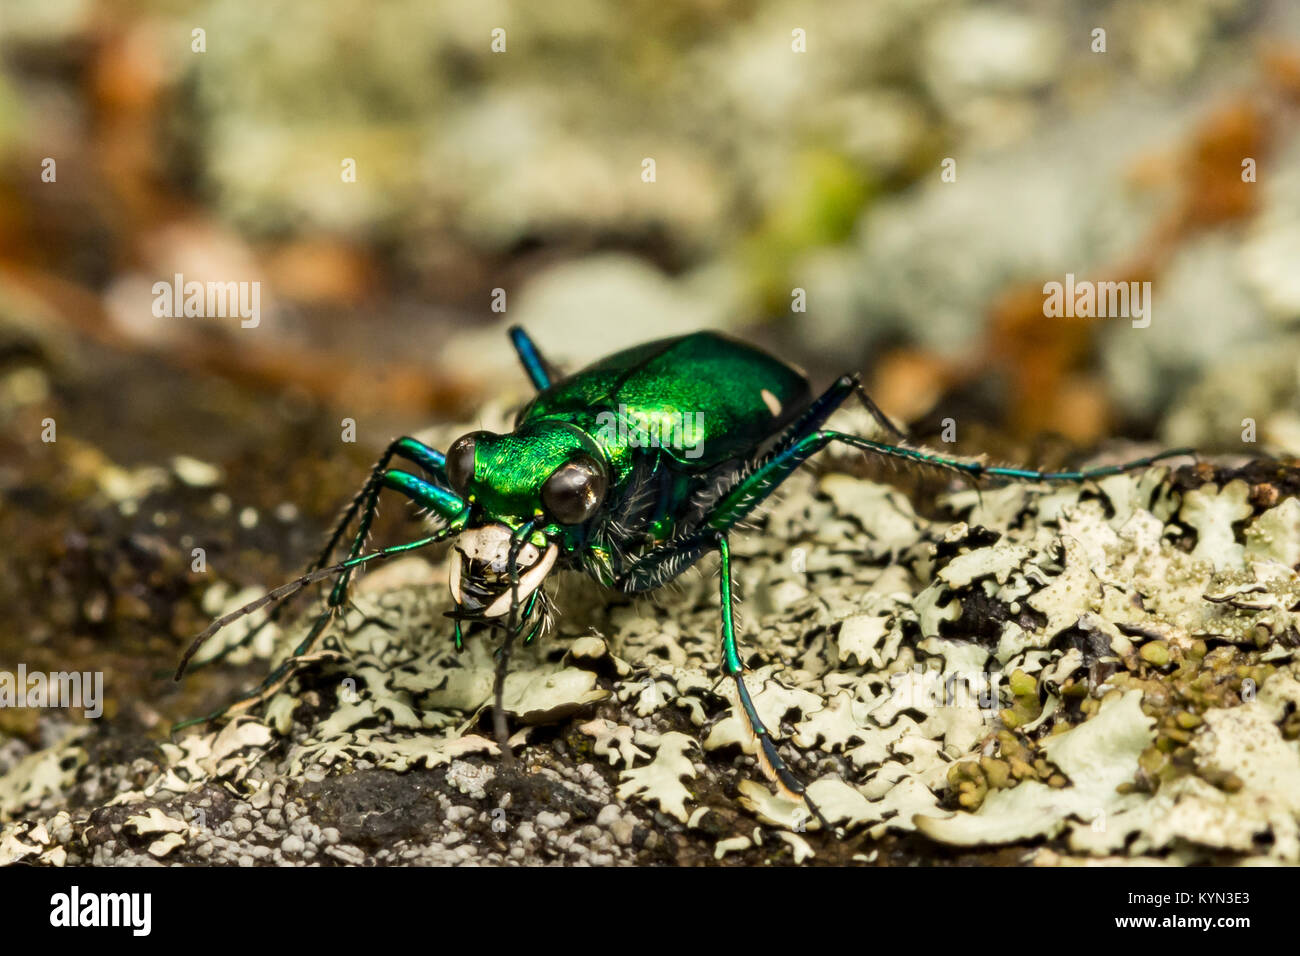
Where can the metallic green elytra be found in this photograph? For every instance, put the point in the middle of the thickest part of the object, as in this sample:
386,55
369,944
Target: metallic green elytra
630,471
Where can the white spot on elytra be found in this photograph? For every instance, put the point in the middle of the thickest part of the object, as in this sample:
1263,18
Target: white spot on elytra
772,402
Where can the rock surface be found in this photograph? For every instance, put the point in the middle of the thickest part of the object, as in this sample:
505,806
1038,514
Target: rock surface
1026,673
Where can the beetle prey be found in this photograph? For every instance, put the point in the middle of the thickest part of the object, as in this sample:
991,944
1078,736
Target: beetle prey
630,471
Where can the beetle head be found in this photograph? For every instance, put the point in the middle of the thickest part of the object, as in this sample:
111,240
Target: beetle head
532,494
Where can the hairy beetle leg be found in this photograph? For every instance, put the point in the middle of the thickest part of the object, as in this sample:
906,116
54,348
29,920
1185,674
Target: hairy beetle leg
773,766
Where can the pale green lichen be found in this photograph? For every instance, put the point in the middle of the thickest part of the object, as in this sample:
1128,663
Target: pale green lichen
1073,664
1098,756
44,772
660,781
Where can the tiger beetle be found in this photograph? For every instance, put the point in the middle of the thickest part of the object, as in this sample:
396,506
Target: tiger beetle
585,482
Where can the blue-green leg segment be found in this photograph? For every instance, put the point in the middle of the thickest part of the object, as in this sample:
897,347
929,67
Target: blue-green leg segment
430,460
679,556
747,495
733,667
442,502
980,470
436,498
822,407
540,372
435,495
366,501
818,410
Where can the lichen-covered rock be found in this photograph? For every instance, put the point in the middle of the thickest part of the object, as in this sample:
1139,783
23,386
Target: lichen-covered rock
1093,670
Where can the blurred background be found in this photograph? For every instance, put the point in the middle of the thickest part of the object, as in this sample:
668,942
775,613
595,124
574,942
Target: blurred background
382,169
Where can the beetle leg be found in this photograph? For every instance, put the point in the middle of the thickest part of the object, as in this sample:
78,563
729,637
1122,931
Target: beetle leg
821,408
442,502
430,460
286,668
665,563
738,503
881,418
806,438
773,766
977,469
435,497
662,564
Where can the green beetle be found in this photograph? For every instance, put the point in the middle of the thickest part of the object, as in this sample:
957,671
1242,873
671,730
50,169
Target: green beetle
630,471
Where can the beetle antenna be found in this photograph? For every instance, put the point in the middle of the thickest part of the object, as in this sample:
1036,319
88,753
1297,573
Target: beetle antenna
296,585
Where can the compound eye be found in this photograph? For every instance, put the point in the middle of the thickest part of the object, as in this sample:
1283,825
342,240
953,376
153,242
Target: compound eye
575,490
460,462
